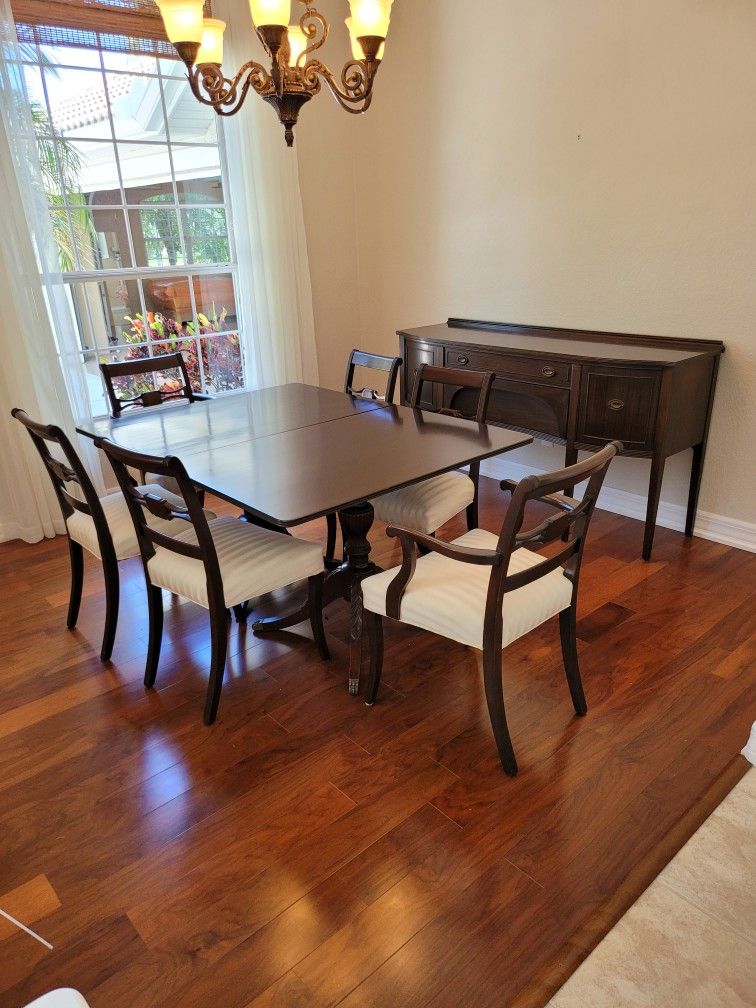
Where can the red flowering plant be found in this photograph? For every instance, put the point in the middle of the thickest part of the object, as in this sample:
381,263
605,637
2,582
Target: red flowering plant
221,354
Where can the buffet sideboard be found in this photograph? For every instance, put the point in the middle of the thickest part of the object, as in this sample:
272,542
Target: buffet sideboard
582,389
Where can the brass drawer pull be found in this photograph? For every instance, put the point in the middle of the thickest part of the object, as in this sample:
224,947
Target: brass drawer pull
548,371
463,360
616,405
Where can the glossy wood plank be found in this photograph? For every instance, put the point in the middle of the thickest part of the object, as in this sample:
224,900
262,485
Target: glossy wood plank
307,850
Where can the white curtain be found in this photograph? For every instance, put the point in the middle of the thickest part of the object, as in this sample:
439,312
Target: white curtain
268,225
40,365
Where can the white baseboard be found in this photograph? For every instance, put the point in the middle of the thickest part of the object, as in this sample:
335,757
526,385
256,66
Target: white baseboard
717,528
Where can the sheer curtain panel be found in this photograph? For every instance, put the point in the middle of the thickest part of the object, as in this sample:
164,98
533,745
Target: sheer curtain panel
38,336
268,225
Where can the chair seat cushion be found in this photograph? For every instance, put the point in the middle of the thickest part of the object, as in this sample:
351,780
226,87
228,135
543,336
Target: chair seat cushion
426,506
81,526
252,560
448,597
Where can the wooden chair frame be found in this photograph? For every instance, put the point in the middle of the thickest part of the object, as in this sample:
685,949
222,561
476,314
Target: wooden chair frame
74,472
148,538
481,380
570,526
146,366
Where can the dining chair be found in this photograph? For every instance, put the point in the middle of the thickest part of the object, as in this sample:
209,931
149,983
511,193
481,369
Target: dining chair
167,391
144,366
219,563
100,525
486,591
427,505
375,362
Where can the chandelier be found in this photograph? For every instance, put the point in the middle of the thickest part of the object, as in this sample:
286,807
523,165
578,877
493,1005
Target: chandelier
295,76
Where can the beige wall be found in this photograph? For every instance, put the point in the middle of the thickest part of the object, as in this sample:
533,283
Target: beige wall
586,163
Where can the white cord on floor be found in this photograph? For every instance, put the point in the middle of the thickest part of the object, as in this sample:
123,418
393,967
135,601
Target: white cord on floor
25,928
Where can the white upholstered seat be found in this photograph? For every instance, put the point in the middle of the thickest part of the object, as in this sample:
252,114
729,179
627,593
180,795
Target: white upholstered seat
81,527
449,598
426,506
252,561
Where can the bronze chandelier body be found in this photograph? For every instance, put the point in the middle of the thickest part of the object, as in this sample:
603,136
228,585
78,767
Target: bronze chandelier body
288,84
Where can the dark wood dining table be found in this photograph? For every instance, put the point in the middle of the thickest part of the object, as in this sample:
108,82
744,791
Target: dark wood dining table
289,454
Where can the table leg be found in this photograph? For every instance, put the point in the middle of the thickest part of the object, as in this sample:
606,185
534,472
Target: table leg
355,640
355,524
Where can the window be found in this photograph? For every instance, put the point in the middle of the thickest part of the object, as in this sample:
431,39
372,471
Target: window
133,179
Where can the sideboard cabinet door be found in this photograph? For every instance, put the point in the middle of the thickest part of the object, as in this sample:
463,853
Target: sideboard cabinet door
618,403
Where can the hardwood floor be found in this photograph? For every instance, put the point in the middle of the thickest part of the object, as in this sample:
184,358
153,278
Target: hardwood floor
308,851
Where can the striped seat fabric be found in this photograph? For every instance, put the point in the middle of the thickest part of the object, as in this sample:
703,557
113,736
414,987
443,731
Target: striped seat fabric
426,506
252,561
81,527
449,598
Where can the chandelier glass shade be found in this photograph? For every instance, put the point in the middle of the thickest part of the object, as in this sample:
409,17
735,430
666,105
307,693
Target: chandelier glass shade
294,74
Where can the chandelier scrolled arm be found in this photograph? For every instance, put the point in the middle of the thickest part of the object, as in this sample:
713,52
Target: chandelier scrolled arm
315,29
210,87
294,76
356,92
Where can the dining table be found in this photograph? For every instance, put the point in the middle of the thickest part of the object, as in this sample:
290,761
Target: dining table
289,454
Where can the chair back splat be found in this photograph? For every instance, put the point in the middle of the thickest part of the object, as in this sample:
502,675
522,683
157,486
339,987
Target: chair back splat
376,362
459,379
569,524
112,370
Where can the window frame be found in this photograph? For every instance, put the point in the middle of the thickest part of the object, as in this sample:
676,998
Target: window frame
186,271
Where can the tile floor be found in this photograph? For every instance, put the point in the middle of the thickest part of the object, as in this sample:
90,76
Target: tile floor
691,937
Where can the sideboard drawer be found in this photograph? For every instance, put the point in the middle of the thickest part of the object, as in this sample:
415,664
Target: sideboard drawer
539,369
618,404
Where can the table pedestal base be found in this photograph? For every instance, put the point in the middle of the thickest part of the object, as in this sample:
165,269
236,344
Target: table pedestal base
342,582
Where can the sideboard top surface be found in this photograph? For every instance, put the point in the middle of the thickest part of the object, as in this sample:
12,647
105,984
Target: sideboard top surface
571,343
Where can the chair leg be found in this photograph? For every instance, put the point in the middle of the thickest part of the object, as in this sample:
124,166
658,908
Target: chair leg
315,613
76,554
219,641
495,700
155,606
567,631
472,508
112,595
374,629
330,553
